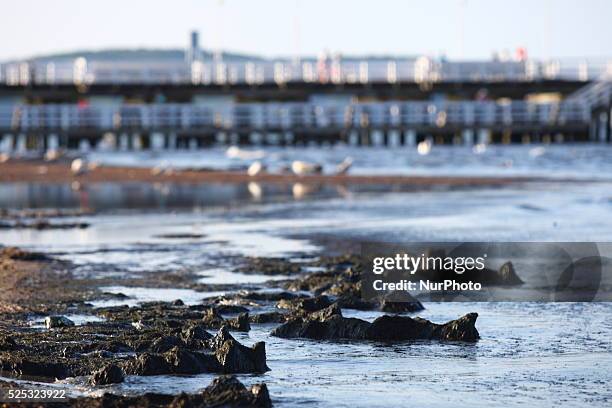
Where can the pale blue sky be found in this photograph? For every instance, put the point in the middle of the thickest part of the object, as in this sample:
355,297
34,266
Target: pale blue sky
459,28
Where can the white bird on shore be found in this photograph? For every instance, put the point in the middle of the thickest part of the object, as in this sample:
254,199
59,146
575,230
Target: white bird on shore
78,166
424,147
234,152
302,168
52,155
537,151
479,148
256,168
345,166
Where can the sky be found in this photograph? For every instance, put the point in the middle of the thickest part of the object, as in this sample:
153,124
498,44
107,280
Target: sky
459,29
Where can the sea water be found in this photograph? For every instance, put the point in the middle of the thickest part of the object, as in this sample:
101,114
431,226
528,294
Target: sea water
534,354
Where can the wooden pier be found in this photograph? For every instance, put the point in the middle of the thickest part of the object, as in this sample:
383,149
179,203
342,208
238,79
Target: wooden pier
187,126
381,103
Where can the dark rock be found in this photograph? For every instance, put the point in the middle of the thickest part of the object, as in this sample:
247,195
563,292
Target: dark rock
261,396
230,309
53,322
163,344
148,364
229,357
342,281
241,323
18,254
178,302
462,329
355,302
223,384
333,326
236,358
195,332
270,266
34,367
226,391
268,317
269,296
401,307
180,236
221,337
324,314
110,374
508,275
314,281
7,343
229,391
306,304
391,328
181,361
213,320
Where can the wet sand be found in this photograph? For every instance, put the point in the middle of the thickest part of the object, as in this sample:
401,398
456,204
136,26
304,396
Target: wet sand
36,171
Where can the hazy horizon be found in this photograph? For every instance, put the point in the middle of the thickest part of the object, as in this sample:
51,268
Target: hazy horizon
458,29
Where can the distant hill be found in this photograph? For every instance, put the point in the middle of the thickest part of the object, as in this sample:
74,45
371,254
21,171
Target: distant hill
144,55
136,55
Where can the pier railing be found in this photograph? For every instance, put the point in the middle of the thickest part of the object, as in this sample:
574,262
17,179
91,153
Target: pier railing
257,72
289,116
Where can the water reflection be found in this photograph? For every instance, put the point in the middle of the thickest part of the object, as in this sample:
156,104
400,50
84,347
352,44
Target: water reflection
105,196
162,196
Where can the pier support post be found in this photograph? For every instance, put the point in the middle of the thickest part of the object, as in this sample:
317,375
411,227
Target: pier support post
108,142
353,138
609,125
84,145
136,141
124,143
172,141
393,138
192,143
21,143
52,142
157,141
593,129
410,137
255,138
364,137
484,136
7,144
604,127
468,137
377,138
243,139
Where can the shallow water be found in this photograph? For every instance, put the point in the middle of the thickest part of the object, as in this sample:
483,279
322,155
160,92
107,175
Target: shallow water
576,161
535,354
530,354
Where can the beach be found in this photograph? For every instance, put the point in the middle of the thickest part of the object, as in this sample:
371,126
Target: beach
162,262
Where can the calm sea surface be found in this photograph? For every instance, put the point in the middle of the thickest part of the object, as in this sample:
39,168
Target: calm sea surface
535,354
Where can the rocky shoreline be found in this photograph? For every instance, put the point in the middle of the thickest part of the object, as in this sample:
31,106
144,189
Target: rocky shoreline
172,338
